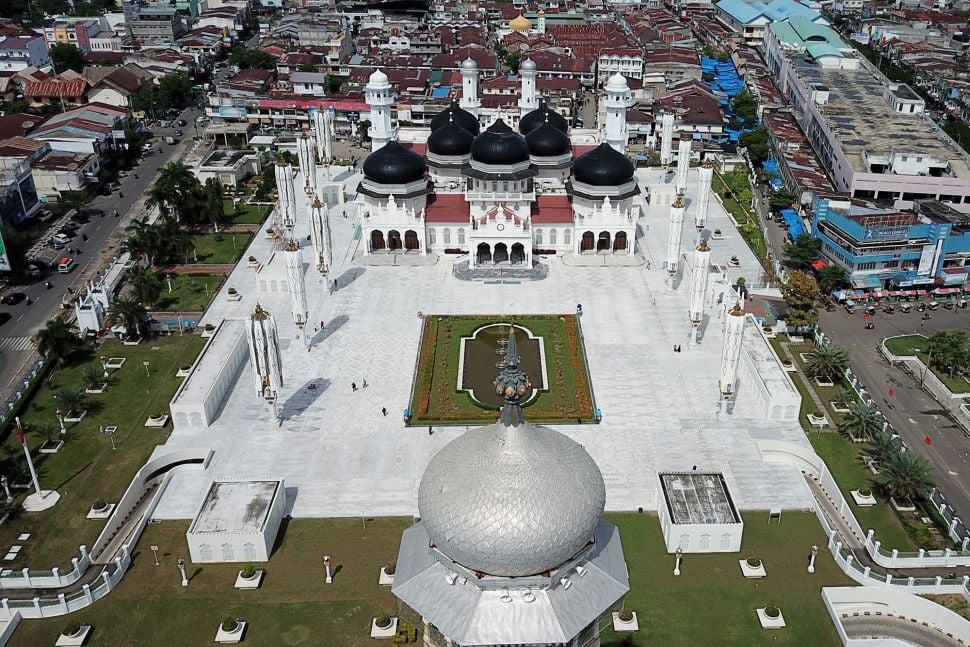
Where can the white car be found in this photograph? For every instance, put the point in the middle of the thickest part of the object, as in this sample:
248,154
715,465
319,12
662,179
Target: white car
61,239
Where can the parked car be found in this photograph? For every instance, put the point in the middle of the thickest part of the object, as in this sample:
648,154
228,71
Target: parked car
904,308
167,124
4,317
13,298
45,215
182,122
82,217
61,238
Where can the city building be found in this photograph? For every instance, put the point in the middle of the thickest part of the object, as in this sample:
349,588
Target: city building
60,171
751,18
89,34
20,52
93,128
874,138
152,23
63,91
18,194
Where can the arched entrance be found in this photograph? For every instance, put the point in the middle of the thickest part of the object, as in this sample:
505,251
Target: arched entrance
483,253
603,242
377,241
501,254
588,242
619,242
411,239
517,254
393,239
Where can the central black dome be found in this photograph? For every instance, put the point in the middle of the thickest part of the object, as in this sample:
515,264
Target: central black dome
603,166
539,116
394,164
459,115
450,139
548,141
500,145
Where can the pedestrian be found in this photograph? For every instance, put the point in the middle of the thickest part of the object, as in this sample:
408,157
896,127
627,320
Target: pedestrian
321,324
335,284
384,411
430,431
353,385
365,383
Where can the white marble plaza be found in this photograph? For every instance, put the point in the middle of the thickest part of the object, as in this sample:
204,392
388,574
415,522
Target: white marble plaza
339,456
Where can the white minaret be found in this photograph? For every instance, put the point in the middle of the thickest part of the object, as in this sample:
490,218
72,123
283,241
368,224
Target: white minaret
731,351
528,101
319,127
287,194
469,86
308,162
705,175
320,235
380,99
676,229
683,162
617,101
297,286
541,26
323,125
265,357
666,137
699,269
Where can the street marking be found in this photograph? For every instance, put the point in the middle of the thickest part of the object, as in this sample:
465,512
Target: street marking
15,343
952,473
912,421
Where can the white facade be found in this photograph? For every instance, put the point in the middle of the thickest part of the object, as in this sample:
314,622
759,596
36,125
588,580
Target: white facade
617,101
731,351
674,233
20,52
699,269
683,162
666,137
705,176
286,204
265,358
91,308
469,86
527,100
697,514
237,522
380,98
320,235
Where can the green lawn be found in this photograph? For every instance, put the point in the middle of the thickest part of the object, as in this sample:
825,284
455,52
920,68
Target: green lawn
747,222
435,399
919,345
253,214
218,248
86,468
190,292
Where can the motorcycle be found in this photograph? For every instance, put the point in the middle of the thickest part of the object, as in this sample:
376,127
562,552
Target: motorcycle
888,309
84,237
48,285
29,301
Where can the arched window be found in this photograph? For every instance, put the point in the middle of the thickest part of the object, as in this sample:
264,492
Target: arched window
552,236
432,236
567,236
461,235
538,236
446,236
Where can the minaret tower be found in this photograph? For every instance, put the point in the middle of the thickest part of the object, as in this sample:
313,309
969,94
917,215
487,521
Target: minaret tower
512,384
380,99
528,101
683,161
287,195
469,86
617,101
265,358
666,137
676,229
308,162
320,235
541,22
297,285
731,351
705,175
698,286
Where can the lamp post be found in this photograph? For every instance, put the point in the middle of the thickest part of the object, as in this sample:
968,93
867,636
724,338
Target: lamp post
811,561
326,565
147,372
679,554
181,564
154,550
104,366
60,421
6,487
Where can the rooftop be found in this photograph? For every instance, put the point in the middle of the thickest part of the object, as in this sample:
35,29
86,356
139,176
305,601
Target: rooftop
235,507
698,498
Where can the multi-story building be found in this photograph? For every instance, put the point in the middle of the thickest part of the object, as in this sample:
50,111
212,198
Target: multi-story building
887,248
60,171
873,137
751,18
20,52
152,23
18,195
92,34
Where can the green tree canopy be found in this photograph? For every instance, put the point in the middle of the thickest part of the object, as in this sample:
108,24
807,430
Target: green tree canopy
905,475
863,421
827,362
146,286
756,141
803,297
746,108
178,195
246,58
65,56
832,277
950,351
17,243
782,199
333,84
804,251
56,341
129,313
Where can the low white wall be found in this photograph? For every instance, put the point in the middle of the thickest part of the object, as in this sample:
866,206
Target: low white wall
9,627
198,400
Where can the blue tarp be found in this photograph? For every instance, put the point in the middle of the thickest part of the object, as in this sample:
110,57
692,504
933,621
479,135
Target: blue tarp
794,223
440,93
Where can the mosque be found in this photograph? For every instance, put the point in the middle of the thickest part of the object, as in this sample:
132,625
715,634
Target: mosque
502,192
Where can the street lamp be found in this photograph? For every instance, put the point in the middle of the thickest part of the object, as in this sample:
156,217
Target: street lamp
679,554
6,488
60,421
147,372
326,565
811,561
154,550
181,565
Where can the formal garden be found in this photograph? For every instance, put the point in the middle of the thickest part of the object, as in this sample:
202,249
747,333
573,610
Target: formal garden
218,249
187,292
436,398
294,606
242,213
734,189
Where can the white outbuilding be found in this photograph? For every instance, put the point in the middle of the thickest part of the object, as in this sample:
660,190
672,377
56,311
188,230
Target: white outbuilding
237,521
697,514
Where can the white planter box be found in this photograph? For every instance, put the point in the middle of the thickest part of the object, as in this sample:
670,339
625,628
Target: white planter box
385,579
819,382
790,368
871,464
227,637
125,342
52,450
817,421
752,571
902,508
77,417
183,372
734,263
157,422
387,632
101,514
251,583
234,297
76,640
838,407
115,362
771,623
102,389
861,500
805,358
796,339
621,626
208,333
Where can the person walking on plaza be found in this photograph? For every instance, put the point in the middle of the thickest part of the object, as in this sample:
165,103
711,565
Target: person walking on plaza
353,385
365,383
384,411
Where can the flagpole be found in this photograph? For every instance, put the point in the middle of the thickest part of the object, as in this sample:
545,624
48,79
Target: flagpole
30,462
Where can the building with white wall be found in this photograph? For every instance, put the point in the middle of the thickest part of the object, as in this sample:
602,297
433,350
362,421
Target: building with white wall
201,395
20,52
697,513
238,521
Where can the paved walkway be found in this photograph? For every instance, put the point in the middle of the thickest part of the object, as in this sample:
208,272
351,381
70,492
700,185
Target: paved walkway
903,629
849,539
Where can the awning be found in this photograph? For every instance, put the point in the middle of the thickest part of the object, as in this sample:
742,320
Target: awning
819,264
839,295
866,282
879,294
946,290
907,293
894,293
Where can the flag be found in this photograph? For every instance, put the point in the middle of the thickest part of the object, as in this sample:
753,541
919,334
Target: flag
891,393
927,440
20,432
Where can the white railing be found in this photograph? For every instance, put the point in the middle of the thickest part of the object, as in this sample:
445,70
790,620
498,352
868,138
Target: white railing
52,579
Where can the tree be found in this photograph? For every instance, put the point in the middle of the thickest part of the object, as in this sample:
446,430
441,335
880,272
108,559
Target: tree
178,194
246,58
55,341
215,207
844,396
92,377
906,476
804,251
145,240
782,199
862,421
176,90
129,313
827,362
71,398
307,67
513,59
757,143
180,246
65,56
333,84
882,447
746,108
740,185
145,285
75,199
950,351
832,277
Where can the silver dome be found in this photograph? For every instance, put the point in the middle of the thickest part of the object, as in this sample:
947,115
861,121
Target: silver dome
511,501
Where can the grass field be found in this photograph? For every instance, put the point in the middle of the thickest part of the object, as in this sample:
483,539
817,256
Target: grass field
86,468
190,292
218,248
294,607
919,346
251,214
435,400
747,222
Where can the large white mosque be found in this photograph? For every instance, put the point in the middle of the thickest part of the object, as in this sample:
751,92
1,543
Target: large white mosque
499,192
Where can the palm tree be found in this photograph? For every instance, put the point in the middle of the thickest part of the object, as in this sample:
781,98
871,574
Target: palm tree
181,245
862,421
882,447
827,361
56,341
176,193
844,396
129,313
145,285
145,240
72,398
92,377
906,476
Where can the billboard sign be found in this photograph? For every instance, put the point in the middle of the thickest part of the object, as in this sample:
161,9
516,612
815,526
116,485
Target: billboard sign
4,259
886,233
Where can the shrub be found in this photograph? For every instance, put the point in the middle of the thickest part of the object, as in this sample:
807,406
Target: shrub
230,624
248,571
99,504
209,327
72,629
626,615
865,492
753,562
772,611
383,621
390,567
252,259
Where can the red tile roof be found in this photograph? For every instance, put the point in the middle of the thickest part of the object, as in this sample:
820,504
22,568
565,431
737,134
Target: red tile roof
447,208
55,89
552,210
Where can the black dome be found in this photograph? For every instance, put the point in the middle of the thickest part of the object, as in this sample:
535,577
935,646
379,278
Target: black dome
548,141
539,116
450,139
459,115
394,164
500,145
603,166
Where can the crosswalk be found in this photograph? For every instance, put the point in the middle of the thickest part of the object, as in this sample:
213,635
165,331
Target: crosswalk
15,344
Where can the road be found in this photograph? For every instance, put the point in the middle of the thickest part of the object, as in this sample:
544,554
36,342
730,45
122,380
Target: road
15,347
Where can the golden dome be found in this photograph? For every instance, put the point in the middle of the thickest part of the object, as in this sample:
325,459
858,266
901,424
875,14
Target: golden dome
520,24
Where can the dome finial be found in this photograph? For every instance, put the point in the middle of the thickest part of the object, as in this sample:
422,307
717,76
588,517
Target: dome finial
512,383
